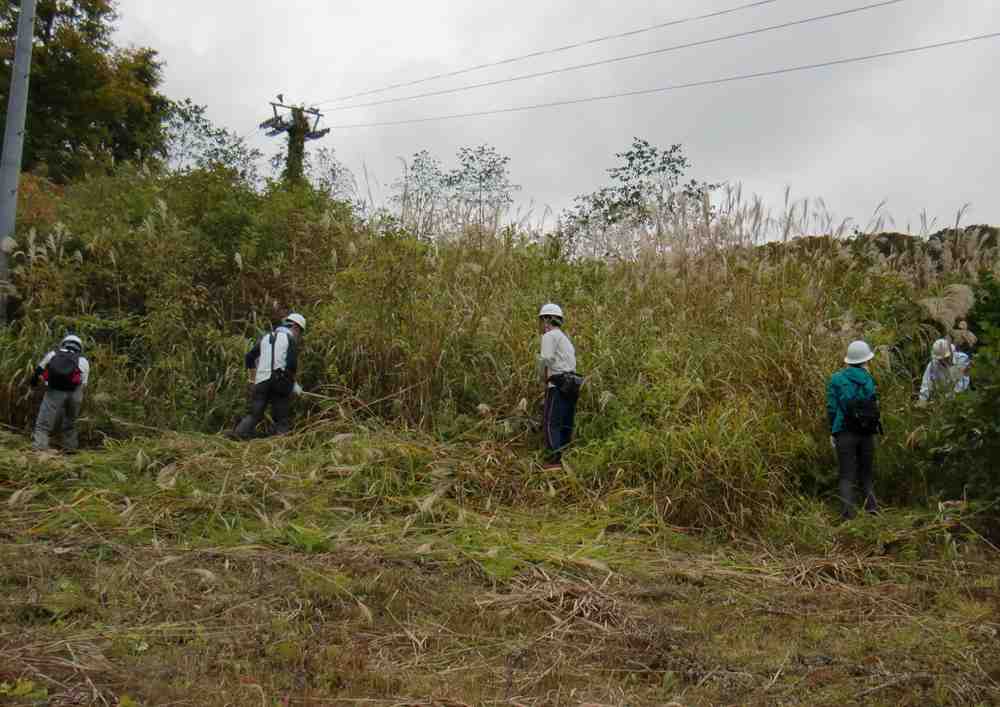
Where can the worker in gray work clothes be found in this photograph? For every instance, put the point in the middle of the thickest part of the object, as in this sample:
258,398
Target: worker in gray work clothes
273,361
947,373
65,373
557,366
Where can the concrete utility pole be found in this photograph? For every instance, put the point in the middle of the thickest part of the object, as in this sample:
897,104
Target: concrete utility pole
13,140
299,131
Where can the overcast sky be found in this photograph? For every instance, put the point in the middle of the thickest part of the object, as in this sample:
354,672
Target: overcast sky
918,131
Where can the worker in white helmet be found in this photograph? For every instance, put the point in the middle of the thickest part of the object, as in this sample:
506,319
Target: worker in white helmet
65,372
946,374
557,366
853,414
273,362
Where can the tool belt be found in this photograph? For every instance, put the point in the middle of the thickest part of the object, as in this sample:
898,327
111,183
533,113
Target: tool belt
568,384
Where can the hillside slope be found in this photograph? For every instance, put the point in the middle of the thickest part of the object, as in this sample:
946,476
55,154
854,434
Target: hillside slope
404,546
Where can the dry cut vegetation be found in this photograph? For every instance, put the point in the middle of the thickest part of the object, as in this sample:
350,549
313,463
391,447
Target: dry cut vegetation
364,566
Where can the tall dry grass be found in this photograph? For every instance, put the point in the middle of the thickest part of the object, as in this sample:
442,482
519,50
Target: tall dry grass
706,344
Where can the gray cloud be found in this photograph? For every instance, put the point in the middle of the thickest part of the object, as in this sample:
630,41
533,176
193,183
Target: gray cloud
915,130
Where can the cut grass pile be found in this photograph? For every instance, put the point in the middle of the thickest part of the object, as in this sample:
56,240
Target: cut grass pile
352,566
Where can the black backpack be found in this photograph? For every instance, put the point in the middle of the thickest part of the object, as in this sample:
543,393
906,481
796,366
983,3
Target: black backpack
862,415
63,371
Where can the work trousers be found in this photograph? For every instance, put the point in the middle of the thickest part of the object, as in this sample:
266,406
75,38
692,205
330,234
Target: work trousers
58,413
262,396
856,458
557,422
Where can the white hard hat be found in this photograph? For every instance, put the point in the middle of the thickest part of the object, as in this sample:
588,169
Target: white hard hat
551,310
72,340
298,319
941,349
857,353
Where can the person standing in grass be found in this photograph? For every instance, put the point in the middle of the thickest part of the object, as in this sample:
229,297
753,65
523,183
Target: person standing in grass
557,365
66,373
852,409
273,362
946,374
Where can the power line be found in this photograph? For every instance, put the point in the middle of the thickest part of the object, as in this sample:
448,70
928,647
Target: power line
627,57
677,87
553,50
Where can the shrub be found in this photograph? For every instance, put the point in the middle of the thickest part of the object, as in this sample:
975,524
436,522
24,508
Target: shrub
706,368
961,440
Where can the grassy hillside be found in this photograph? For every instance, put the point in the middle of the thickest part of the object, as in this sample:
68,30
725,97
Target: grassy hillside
404,546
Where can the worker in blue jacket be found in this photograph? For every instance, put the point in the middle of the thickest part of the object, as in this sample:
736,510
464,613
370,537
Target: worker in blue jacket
852,410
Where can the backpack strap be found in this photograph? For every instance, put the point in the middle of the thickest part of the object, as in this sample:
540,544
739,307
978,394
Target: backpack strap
274,341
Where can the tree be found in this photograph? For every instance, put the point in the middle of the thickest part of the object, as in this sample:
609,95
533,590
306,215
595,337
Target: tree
481,184
420,193
91,19
194,142
433,201
648,185
91,104
330,176
646,196
588,227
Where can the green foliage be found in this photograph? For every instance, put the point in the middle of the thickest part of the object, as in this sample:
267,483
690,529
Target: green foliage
706,367
91,104
294,167
468,199
958,440
195,143
961,444
986,312
482,181
23,690
646,193
647,181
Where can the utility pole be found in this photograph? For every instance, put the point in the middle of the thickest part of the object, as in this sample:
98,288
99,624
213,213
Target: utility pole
13,141
296,146
299,131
